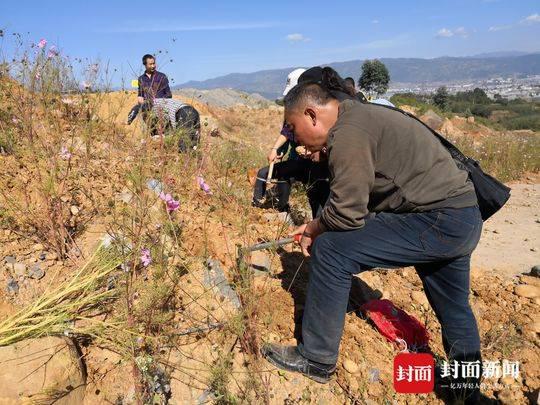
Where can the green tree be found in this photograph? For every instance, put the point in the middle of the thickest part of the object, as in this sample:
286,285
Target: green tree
480,96
440,99
476,96
375,77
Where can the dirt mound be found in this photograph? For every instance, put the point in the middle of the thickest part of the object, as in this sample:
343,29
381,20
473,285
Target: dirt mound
224,98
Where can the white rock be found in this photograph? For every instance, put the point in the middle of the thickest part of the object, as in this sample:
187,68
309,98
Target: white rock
37,246
350,366
51,256
527,291
19,269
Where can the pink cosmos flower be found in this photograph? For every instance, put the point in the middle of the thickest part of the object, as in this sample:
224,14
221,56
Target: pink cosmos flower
53,51
41,44
64,153
146,259
172,204
202,184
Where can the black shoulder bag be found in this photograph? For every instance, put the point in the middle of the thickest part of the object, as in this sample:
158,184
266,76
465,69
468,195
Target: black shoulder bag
490,192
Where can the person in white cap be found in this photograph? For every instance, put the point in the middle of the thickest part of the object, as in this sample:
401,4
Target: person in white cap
298,167
292,80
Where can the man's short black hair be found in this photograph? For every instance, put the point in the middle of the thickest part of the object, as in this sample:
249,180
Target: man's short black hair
304,93
146,57
350,80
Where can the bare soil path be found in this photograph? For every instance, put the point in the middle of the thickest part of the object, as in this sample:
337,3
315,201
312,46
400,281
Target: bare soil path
510,241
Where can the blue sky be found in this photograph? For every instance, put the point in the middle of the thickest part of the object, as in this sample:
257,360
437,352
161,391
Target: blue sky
205,39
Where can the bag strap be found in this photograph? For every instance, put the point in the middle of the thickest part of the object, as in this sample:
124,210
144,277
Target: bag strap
454,151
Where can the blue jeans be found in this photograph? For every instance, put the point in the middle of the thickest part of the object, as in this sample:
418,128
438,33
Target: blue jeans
438,243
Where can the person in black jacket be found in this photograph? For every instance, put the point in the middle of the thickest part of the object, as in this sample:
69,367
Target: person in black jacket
152,84
309,169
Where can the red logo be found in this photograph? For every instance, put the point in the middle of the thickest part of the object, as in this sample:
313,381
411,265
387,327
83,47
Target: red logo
414,373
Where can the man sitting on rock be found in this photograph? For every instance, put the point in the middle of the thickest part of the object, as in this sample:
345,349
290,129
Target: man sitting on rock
427,216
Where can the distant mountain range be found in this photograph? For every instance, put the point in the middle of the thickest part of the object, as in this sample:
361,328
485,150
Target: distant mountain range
500,54
270,83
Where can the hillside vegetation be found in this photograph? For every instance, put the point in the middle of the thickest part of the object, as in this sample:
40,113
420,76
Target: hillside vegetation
498,113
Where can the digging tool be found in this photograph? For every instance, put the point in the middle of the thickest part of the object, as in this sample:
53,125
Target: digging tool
272,244
268,195
269,177
265,245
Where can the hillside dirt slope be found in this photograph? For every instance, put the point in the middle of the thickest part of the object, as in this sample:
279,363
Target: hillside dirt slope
215,365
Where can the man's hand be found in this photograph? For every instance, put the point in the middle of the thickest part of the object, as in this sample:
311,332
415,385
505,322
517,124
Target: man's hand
273,156
140,100
309,232
315,156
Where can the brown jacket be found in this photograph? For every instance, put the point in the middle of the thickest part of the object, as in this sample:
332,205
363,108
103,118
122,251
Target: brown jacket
382,160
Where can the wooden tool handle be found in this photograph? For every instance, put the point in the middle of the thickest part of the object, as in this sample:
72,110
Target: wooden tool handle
270,172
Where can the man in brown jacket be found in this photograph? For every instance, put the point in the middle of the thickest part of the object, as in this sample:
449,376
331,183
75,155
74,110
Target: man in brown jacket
426,215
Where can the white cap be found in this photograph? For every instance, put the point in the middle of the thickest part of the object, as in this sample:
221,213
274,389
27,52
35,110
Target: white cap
292,79
382,101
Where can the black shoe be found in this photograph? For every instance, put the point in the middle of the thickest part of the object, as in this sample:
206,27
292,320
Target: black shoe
285,208
288,358
257,203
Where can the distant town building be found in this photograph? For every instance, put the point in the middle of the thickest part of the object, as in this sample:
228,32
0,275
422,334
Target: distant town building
527,87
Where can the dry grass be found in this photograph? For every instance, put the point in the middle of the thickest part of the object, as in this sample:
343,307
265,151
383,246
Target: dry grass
506,156
67,308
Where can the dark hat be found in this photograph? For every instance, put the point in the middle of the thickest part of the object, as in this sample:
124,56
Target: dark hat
312,75
332,82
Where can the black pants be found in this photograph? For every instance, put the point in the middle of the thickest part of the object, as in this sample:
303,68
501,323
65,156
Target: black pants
313,175
188,119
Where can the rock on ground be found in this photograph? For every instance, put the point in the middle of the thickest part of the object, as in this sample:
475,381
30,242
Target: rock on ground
260,261
527,291
433,120
45,370
350,366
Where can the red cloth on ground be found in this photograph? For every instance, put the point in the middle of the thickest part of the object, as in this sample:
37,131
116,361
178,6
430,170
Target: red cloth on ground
396,325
